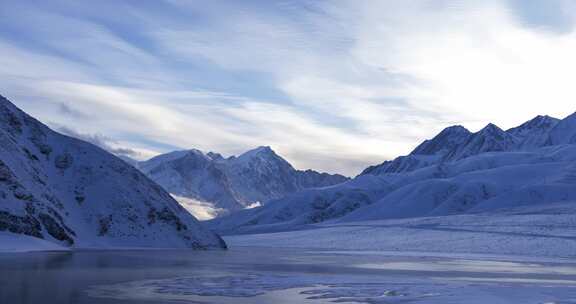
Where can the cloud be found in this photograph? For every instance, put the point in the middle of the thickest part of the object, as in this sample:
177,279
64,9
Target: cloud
232,129
330,85
472,68
101,141
68,110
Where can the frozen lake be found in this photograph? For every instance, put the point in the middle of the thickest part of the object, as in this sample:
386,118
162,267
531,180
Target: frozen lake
267,275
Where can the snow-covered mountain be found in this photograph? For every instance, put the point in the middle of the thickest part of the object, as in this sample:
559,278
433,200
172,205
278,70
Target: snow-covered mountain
456,142
564,132
231,184
75,194
533,133
490,139
427,153
455,172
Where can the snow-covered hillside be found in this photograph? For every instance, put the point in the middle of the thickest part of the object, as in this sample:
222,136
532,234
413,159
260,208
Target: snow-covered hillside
74,194
454,173
540,230
231,184
456,142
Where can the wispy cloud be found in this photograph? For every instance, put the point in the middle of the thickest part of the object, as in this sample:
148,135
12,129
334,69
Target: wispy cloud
332,85
102,141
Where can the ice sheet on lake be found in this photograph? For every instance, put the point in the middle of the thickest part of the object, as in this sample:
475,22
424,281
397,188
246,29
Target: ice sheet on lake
307,288
312,289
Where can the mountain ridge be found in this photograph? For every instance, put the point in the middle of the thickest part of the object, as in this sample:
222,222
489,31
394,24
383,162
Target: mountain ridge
455,172
534,133
75,194
234,183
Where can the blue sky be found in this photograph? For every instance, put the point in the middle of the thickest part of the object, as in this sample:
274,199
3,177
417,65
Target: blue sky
330,85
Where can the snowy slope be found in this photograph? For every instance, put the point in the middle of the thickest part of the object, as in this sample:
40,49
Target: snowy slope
540,230
564,132
456,142
12,242
235,183
74,194
427,153
486,181
534,133
305,207
448,139
201,210
193,175
491,138
456,172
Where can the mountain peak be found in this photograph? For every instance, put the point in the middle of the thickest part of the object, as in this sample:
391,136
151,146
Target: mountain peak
259,151
490,139
214,155
444,141
263,149
188,156
545,117
196,153
54,180
570,117
455,128
564,132
257,175
263,156
540,121
491,128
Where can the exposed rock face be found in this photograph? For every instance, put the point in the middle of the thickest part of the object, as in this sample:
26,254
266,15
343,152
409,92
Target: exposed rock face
75,194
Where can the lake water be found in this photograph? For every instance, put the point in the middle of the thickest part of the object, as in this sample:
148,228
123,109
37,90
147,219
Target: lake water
277,276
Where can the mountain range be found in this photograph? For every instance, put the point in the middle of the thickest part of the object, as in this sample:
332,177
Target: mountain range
72,193
456,142
75,194
209,185
455,172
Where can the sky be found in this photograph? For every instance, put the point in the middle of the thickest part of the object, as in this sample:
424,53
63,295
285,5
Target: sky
332,85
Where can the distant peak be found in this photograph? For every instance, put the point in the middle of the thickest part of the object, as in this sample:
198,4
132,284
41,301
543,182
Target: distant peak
540,121
570,117
179,154
491,128
543,119
262,153
445,140
455,129
259,150
264,149
214,155
195,153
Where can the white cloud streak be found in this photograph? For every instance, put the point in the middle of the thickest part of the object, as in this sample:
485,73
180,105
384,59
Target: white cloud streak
357,81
